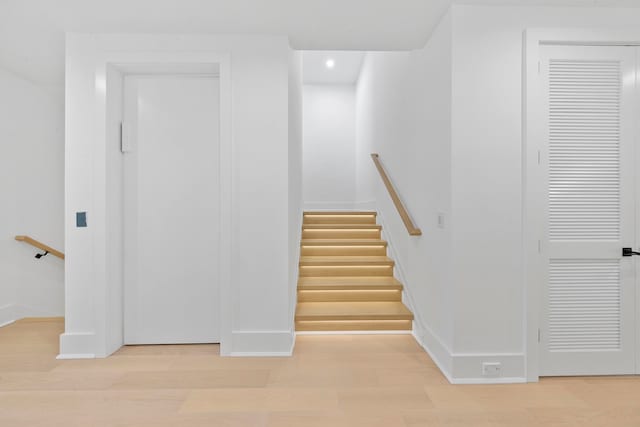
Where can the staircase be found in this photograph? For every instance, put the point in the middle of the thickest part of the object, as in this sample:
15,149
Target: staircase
346,280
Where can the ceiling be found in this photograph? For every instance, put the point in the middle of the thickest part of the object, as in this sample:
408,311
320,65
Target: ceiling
32,31
345,71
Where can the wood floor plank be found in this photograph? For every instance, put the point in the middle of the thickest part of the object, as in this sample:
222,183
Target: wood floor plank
339,380
219,378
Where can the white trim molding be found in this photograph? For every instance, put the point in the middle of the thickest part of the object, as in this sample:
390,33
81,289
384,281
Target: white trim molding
8,314
77,345
262,343
99,53
72,356
467,368
11,313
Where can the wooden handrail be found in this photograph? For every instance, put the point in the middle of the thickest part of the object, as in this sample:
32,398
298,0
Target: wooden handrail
411,228
40,245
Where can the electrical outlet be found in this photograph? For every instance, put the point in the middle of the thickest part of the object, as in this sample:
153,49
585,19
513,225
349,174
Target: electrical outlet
491,369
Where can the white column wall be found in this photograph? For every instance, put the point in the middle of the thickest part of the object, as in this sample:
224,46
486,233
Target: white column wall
114,266
295,174
258,292
32,194
404,114
487,271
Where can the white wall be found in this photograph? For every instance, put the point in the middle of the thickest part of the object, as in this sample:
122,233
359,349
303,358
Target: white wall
295,174
447,122
403,113
487,173
256,307
32,193
329,146
115,207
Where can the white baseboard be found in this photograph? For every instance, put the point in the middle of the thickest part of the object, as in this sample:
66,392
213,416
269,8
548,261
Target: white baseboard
340,206
430,342
483,380
262,343
467,368
458,368
8,314
7,323
435,348
75,356
12,312
77,345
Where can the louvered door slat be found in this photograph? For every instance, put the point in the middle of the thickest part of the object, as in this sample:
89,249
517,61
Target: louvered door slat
587,301
574,173
584,294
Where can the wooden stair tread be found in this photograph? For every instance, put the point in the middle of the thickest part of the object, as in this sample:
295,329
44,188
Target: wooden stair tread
353,325
343,213
343,242
341,227
349,283
341,232
346,260
377,310
346,279
352,295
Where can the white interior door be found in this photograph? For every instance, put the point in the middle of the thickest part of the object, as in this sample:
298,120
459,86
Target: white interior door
172,209
588,324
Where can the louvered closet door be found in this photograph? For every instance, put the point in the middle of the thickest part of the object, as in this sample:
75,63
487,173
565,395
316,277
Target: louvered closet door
588,304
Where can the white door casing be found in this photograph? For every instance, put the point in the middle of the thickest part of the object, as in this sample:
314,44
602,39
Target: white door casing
172,209
588,300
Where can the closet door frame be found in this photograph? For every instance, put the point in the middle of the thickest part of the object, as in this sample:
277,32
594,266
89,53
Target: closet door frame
534,195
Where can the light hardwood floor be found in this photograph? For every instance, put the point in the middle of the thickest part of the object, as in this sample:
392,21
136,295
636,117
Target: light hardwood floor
331,381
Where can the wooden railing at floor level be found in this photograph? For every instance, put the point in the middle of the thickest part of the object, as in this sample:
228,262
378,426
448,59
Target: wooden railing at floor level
40,245
411,228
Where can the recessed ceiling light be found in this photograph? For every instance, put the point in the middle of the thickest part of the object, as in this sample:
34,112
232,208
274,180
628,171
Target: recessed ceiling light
330,63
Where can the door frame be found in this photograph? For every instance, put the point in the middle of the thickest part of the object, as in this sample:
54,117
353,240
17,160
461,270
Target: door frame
109,314
533,200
